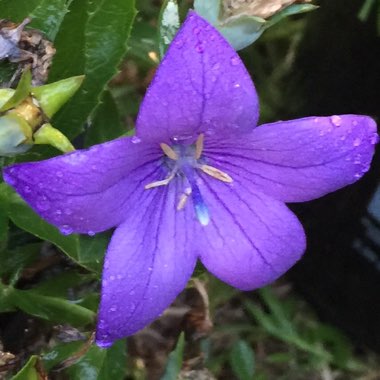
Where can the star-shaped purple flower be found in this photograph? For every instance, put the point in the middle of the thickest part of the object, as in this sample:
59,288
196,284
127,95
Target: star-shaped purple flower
198,181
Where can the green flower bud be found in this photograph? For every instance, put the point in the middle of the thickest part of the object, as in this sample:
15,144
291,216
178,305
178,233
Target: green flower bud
15,135
243,21
51,97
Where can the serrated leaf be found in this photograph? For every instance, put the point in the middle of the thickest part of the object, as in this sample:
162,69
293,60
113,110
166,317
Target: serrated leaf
174,364
168,22
242,360
92,44
106,124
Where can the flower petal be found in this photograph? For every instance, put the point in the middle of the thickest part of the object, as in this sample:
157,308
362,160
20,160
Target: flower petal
200,86
299,160
251,239
86,191
148,263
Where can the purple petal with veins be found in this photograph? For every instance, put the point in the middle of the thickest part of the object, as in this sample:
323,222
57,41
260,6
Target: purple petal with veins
199,181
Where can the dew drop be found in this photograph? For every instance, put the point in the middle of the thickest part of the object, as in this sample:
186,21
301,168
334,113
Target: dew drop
112,278
43,204
66,230
179,43
59,174
196,30
216,66
90,233
150,269
374,139
58,212
113,308
68,211
132,292
357,175
27,189
136,140
234,61
357,142
199,48
237,85
336,120
104,344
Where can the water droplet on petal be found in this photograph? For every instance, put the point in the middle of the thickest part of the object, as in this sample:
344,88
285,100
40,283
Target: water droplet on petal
66,230
200,48
357,175
196,30
150,269
136,140
357,142
43,204
336,120
216,66
90,233
132,292
234,61
374,139
104,344
68,211
237,85
27,189
113,308
59,174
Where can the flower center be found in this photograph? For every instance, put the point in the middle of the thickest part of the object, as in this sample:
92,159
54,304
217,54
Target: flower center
182,160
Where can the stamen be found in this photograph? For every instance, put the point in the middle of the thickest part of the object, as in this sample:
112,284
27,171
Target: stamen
199,146
163,182
169,151
216,173
183,199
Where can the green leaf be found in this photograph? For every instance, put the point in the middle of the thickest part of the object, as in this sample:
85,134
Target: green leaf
174,364
13,261
242,360
51,308
89,366
84,250
46,15
106,124
114,365
168,22
91,250
24,217
91,41
29,371
58,285
60,353
3,229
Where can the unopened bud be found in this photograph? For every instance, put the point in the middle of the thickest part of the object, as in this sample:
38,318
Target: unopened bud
15,135
243,21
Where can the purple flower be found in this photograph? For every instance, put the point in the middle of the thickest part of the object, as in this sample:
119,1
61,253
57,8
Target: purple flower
197,181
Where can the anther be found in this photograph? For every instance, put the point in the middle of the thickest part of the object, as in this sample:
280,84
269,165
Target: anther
216,173
183,199
199,146
169,151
